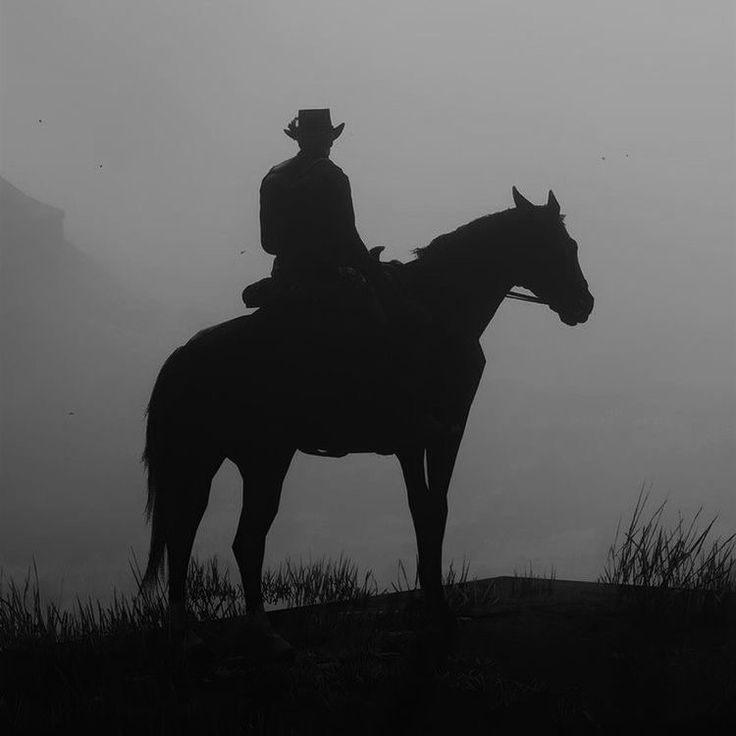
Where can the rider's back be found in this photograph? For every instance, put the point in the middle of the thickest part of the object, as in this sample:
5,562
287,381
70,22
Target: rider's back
307,217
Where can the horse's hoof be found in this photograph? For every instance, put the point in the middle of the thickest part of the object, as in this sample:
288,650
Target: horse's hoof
258,639
189,646
443,624
270,648
280,650
428,652
191,641
450,626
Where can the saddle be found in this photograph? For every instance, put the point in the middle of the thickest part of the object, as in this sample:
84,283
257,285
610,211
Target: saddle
274,291
349,365
344,281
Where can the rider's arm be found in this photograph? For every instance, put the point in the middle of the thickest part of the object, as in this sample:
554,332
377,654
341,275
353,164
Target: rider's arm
340,219
360,251
270,224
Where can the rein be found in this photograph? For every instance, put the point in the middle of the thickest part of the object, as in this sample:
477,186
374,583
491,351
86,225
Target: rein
525,297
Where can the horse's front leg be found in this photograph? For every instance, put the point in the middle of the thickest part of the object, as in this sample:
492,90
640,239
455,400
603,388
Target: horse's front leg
428,506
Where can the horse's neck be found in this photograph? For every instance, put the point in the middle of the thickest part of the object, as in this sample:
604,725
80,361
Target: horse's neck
461,293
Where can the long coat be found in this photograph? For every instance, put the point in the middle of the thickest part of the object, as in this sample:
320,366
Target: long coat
307,217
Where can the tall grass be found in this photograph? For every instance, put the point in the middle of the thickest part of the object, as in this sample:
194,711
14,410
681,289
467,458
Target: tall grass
324,581
531,583
681,560
464,595
25,616
406,583
211,593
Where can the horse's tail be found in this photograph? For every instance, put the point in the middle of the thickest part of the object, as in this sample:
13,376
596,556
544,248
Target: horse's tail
156,458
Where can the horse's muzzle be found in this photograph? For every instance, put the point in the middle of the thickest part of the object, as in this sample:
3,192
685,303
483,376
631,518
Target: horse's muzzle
578,312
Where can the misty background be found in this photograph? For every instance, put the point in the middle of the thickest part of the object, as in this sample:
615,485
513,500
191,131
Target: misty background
133,139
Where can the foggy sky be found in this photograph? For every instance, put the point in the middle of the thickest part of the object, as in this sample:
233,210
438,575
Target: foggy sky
152,124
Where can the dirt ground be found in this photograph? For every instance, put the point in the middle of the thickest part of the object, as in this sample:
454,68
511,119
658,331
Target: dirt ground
530,655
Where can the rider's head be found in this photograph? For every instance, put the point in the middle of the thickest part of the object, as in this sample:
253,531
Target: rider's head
318,146
314,132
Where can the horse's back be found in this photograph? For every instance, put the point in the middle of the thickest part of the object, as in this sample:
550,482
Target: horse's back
279,373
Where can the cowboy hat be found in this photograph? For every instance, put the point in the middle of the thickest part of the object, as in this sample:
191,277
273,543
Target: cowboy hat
313,123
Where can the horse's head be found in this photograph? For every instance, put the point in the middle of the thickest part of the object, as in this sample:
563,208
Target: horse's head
548,261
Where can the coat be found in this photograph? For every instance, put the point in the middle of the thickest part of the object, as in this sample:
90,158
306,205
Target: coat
307,217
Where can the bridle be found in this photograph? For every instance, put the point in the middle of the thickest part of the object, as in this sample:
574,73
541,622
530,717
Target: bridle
525,297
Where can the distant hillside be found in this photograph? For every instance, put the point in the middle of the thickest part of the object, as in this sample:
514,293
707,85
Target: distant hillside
41,271
64,321
75,367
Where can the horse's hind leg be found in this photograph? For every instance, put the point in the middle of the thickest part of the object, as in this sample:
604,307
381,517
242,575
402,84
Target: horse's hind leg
263,474
192,494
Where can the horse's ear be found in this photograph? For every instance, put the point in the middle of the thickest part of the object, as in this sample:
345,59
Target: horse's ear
552,203
520,201
375,252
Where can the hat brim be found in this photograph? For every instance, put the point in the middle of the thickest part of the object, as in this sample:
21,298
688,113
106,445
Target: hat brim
336,132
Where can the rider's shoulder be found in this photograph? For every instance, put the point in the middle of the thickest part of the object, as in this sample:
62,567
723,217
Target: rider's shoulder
325,167
280,168
327,164
293,171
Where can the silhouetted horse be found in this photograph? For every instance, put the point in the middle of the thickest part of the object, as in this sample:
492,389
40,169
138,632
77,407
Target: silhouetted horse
225,395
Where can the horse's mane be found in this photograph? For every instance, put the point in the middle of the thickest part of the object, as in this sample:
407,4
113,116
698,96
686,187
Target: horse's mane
475,233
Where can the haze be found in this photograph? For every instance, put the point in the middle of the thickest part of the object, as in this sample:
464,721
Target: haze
151,125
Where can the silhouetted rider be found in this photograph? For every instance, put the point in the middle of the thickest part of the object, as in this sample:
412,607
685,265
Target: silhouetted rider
307,216
308,223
